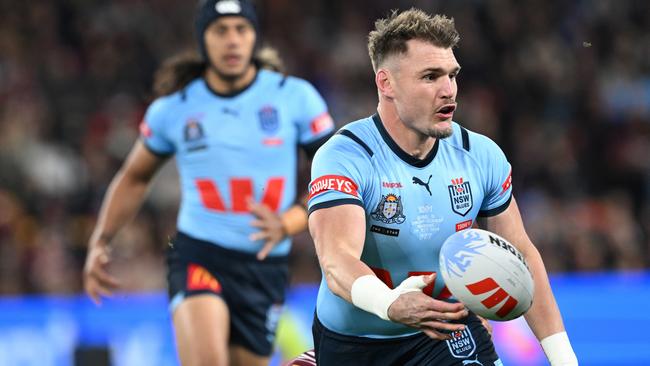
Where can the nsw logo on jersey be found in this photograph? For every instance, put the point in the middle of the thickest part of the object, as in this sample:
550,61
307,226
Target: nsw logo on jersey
193,135
389,210
269,121
460,195
462,344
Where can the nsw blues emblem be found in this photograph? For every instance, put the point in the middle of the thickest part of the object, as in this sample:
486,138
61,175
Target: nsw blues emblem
389,210
269,121
194,136
460,194
462,344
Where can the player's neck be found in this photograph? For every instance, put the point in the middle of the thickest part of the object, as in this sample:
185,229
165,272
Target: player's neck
412,142
225,85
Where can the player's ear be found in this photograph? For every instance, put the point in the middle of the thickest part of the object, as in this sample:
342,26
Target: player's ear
383,82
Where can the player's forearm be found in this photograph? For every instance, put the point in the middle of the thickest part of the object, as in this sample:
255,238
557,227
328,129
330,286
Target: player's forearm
121,202
341,270
294,220
544,316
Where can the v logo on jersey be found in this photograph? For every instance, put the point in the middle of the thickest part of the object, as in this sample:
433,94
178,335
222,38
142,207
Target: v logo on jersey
487,285
419,181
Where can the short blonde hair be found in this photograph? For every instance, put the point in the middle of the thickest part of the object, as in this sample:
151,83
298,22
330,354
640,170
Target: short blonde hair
391,34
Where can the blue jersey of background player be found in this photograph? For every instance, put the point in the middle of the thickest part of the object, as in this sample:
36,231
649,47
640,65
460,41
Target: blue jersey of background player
387,191
233,128
233,148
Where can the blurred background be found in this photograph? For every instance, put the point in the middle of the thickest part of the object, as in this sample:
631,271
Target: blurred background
562,86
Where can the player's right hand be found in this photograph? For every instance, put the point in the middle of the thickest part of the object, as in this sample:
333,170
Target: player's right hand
97,281
431,316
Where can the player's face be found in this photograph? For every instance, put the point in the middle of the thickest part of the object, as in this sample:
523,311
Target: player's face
229,42
425,88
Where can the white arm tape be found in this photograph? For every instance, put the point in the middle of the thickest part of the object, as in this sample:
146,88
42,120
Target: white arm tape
373,296
558,350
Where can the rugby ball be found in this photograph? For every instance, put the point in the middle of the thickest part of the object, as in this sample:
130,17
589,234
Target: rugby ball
486,273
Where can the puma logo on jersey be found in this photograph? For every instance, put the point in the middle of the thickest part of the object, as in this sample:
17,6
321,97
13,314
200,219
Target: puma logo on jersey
419,181
475,361
230,111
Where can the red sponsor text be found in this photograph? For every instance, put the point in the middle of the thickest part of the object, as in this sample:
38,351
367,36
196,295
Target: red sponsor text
507,184
391,184
321,123
463,225
144,129
332,183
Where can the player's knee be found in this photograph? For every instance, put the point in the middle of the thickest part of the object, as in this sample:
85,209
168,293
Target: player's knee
207,357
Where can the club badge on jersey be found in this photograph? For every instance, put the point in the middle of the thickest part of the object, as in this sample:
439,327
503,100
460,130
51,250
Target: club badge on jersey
389,210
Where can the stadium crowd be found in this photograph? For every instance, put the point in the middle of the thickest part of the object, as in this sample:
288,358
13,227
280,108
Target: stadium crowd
564,87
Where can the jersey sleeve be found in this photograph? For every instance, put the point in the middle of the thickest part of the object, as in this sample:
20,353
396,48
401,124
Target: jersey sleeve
152,130
339,173
311,115
498,178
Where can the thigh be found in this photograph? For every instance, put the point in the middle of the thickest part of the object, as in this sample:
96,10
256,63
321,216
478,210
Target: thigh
201,326
200,314
240,356
255,292
336,349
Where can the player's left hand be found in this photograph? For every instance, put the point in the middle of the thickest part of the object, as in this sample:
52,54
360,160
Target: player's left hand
271,229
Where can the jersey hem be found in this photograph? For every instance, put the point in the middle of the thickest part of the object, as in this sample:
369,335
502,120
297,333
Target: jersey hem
362,339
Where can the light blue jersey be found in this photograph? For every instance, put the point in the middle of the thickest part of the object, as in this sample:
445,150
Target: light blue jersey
231,148
411,207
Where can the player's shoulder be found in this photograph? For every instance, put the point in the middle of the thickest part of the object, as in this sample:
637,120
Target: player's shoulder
284,82
353,139
167,103
470,142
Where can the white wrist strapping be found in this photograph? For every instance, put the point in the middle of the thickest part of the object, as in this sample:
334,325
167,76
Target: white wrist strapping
373,296
558,350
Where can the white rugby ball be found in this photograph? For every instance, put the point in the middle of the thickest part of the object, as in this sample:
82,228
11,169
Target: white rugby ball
486,273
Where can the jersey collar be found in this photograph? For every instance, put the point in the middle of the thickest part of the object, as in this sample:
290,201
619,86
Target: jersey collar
233,94
418,163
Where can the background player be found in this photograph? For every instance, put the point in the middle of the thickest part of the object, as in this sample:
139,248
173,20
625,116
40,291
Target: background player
233,128
385,193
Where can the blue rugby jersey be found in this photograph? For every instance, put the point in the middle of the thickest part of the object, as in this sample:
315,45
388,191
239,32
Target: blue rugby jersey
411,207
229,148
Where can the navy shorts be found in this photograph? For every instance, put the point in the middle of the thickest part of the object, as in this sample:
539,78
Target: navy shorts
472,346
253,290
